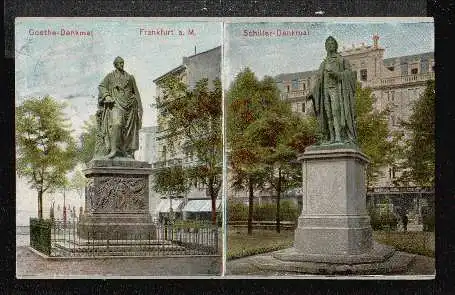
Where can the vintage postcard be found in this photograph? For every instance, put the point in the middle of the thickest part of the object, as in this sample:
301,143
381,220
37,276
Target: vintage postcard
327,166
330,129
118,147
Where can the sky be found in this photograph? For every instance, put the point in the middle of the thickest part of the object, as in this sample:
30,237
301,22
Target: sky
70,68
271,56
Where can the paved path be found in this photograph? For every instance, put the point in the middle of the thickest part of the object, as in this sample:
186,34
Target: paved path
30,264
422,265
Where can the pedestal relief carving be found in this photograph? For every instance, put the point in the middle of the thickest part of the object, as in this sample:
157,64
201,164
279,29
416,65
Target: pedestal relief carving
117,194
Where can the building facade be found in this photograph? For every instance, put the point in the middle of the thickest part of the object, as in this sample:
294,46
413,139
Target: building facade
204,65
147,151
395,82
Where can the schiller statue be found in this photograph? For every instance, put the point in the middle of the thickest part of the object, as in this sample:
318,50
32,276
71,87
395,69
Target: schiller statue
334,97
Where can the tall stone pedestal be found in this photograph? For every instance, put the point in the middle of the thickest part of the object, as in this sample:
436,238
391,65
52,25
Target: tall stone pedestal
334,234
117,201
334,220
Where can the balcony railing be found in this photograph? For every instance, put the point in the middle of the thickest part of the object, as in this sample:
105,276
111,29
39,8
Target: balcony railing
295,94
395,81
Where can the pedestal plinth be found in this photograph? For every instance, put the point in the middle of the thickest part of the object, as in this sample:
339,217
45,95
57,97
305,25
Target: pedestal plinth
334,220
334,234
117,201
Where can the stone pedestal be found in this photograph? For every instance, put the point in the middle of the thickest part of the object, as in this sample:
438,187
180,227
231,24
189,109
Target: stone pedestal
334,220
334,235
117,201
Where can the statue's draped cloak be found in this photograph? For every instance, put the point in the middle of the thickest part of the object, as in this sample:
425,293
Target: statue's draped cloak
123,90
346,93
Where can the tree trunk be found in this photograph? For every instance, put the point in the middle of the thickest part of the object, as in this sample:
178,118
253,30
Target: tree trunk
278,197
40,204
213,199
213,210
250,206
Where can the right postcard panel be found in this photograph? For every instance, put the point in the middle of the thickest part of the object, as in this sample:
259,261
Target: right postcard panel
330,136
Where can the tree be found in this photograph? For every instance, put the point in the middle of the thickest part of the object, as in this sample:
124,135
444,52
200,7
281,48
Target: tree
419,148
87,140
373,133
280,136
45,148
171,180
264,138
244,107
194,124
78,181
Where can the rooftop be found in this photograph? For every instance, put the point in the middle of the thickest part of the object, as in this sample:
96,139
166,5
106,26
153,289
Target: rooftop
182,67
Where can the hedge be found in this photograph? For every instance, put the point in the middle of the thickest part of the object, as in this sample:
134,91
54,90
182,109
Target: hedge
40,235
386,221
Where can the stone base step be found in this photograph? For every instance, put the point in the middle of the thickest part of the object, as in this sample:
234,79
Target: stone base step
85,242
121,248
397,263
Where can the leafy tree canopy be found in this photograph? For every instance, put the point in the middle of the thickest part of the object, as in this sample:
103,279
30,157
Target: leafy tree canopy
419,150
45,149
193,124
373,133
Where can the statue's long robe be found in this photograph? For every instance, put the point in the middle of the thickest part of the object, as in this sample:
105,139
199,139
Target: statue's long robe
346,92
123,90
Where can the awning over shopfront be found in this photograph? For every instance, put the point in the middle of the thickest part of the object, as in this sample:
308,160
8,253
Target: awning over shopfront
165,205
201,206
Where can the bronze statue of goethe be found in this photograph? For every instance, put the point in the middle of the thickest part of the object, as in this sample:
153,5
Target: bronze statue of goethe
334,97
119,115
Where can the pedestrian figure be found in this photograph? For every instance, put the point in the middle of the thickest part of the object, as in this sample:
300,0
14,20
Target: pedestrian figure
405,222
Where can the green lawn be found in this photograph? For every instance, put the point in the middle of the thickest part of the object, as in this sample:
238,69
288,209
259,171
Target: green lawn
421,243
240,244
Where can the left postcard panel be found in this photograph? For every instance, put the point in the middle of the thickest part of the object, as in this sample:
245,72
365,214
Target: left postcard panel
118,147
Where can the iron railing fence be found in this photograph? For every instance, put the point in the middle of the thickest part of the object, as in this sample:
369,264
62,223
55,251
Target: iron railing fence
177,239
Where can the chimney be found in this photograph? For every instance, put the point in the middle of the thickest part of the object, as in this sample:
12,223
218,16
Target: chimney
375,40
194,49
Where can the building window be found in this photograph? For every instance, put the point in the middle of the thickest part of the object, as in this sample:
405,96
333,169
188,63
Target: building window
392,95
288,88
363,75
303,86
414,71
303,107
391,68
295,84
